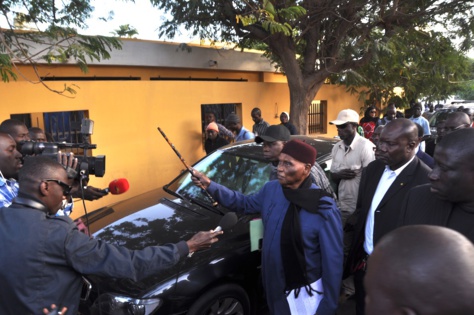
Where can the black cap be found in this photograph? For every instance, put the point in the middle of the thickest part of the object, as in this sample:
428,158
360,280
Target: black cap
274,133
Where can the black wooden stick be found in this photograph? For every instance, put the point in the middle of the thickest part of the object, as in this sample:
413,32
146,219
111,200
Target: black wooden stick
189,168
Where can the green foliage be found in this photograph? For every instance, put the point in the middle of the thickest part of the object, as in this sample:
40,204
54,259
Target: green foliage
317,40
47,32
467,92
424,64
125,31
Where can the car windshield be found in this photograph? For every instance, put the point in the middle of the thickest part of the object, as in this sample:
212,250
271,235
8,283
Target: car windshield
240,168
437,117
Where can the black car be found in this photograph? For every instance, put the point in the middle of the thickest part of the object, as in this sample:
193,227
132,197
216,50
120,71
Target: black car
222,280
439,115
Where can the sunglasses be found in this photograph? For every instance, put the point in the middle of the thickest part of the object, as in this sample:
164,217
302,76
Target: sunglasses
66,188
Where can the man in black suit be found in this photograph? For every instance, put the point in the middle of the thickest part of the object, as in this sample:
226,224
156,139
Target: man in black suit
449,199
383,186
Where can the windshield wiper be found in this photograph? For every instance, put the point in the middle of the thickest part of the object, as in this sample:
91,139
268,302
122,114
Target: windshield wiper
195,201
172,192
214,209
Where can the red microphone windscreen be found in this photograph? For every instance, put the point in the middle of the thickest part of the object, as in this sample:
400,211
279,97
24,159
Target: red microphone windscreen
118,186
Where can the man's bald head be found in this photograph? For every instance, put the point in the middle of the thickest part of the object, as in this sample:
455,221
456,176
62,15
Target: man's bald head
470,112
406,126
397,144
456,120
452,177
376,134
462,141
423,270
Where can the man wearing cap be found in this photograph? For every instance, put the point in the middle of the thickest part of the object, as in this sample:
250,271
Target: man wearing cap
302,244
273,141
214,140
349,157
223,131
235,125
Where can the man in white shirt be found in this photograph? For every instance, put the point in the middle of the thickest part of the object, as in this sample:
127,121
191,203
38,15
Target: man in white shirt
383,186
349,157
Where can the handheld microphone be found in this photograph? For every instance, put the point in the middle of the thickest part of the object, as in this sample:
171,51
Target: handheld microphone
227,221
117,186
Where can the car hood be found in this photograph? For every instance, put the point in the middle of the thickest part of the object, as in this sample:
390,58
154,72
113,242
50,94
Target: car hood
148,220
167,221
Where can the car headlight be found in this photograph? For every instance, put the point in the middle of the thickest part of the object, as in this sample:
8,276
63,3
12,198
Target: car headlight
122,305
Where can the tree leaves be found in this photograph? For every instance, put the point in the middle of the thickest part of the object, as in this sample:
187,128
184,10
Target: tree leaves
47,33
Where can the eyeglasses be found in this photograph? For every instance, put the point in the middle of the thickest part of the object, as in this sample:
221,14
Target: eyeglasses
343,126
451,129
66,188
373,112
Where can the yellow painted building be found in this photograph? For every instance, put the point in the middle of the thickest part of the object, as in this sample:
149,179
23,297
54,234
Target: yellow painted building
154,84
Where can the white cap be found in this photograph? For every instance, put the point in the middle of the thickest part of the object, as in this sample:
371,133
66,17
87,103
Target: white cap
346,116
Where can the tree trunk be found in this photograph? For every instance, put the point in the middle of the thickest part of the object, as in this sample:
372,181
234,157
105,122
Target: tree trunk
300,99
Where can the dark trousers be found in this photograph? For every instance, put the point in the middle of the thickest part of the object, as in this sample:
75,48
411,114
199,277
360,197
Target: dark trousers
359,291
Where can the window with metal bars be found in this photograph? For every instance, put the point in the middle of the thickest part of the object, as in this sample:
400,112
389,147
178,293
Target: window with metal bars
317,117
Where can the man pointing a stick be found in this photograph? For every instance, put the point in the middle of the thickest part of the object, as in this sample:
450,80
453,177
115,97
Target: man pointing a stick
303,238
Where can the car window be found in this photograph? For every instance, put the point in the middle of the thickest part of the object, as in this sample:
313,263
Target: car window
242,174
437,117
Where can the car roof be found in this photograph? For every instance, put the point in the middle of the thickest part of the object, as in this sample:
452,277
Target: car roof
248,148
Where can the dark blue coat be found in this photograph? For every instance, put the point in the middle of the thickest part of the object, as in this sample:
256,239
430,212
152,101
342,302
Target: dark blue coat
322,238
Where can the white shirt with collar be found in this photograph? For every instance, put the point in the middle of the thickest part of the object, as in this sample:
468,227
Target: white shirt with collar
387,179
356,157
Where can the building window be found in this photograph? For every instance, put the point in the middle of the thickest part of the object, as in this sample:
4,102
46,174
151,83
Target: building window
317,117
220,111
58,126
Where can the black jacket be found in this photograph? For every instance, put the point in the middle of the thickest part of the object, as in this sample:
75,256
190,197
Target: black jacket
210,145
421,206
388,211
42,258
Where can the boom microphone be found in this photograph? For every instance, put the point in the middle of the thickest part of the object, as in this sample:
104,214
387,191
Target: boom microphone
117,186
227,221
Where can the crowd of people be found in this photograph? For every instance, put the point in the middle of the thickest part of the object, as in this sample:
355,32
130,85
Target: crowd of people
43,252
390,193
218,135
404,185
397,233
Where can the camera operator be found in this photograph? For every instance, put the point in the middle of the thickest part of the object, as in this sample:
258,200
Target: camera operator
53,254
20,134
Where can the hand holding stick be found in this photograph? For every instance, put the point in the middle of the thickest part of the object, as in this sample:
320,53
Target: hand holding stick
189,168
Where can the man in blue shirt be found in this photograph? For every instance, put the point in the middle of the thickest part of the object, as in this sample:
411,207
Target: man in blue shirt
422,121
10,164
235,125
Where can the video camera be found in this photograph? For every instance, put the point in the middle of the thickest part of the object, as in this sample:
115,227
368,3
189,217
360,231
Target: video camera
93,165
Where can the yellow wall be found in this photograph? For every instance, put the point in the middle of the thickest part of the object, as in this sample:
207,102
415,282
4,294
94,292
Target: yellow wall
127,114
